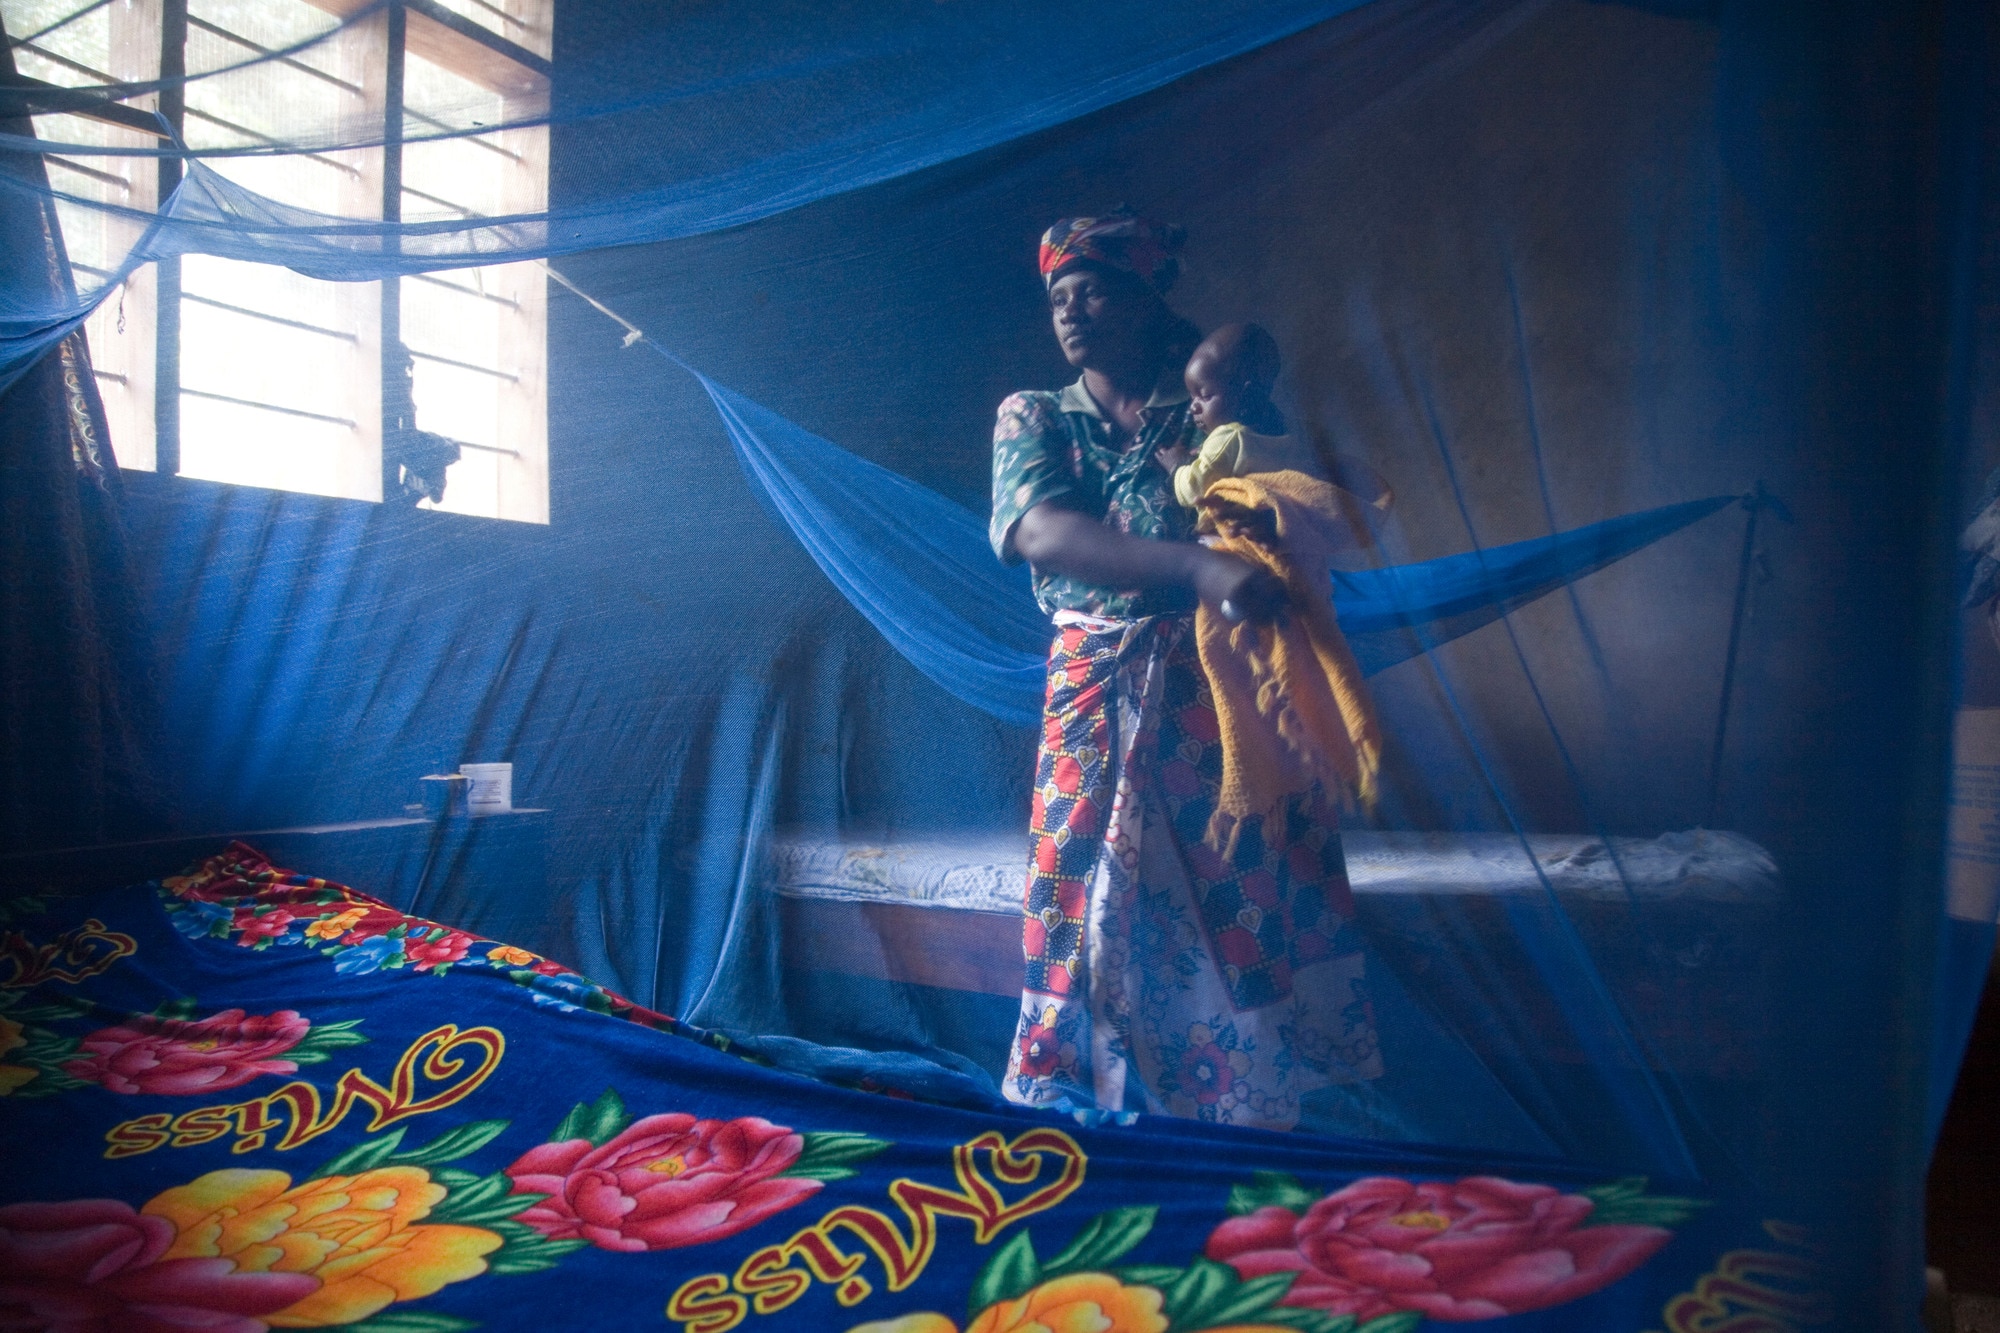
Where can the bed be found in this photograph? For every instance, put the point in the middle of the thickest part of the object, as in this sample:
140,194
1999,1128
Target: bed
1677,925
244,1099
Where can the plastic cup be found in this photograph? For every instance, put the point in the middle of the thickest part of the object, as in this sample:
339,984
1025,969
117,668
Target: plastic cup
444,794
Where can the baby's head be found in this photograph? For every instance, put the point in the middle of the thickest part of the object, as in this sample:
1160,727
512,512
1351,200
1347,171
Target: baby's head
1229,378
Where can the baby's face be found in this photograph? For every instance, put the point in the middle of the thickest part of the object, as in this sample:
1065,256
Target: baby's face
1211,395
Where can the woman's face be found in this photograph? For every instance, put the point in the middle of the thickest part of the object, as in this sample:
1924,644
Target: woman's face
1098,321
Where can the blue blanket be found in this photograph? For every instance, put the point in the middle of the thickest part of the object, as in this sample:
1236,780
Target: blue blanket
246,1099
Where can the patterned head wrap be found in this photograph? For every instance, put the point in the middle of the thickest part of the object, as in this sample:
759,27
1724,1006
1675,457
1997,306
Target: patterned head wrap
1122,240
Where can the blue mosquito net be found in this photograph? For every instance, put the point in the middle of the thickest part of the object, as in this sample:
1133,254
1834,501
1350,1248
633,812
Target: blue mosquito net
609,389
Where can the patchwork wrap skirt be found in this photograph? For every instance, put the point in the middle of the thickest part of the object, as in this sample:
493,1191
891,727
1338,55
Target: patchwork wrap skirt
1164,976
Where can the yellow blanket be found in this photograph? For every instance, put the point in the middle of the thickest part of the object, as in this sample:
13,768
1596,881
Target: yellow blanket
1289,696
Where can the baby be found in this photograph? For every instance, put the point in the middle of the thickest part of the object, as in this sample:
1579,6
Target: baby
1229,381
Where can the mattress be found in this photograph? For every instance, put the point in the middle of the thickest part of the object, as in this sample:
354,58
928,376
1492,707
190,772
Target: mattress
1680,928
984,871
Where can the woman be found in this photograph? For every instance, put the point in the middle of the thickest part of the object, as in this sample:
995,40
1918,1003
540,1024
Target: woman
1161,976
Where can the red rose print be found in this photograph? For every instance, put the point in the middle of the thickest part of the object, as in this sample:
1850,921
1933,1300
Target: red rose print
1479,1248
260,926
93,1266
175,1058
1040,1047
548,968
427,953
667,1181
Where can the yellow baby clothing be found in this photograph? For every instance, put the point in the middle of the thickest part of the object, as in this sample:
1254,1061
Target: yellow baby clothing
1232,451
1289,698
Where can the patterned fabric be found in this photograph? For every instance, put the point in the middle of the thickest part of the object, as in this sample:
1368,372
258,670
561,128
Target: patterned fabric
1160,975
227,1129
1060,447
1121,240
241,897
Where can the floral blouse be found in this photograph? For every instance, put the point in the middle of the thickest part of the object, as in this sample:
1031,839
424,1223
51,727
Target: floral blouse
1061,447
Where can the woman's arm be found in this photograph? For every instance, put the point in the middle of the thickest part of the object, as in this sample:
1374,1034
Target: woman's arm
1065,542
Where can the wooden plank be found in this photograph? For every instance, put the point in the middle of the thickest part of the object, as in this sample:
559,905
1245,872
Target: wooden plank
458,44
476,53
955,950
21,96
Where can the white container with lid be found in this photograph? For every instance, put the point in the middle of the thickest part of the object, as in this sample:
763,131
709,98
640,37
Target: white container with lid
492,788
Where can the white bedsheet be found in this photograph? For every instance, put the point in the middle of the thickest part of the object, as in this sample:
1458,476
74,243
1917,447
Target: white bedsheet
984,872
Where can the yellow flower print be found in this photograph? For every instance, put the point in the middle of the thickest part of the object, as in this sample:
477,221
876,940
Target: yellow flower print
512,957
357,1234
13,1076
1079,1303
333,927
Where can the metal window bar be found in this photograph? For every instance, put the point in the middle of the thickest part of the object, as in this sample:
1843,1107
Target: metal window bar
487,448
92,270
65,62
275,319
459,209
268,407
248,133
111,375
465,365
91,172
464,290
66,20
248,45
437,124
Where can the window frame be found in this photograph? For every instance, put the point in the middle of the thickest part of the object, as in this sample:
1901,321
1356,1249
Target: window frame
155,294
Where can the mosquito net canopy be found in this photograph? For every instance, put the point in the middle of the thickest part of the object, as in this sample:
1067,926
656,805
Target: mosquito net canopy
610,391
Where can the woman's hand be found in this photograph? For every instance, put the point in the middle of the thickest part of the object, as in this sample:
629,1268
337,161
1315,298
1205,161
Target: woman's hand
1231,584
1063,541
1174,457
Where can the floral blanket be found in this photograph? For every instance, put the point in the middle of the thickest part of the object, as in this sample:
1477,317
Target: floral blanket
245,1099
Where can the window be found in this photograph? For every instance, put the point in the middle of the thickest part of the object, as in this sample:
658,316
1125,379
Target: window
254,374
117,42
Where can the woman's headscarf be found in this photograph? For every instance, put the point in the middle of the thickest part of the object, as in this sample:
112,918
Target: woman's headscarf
1121,240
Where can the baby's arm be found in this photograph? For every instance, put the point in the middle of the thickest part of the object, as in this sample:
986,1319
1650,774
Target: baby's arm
1219,456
